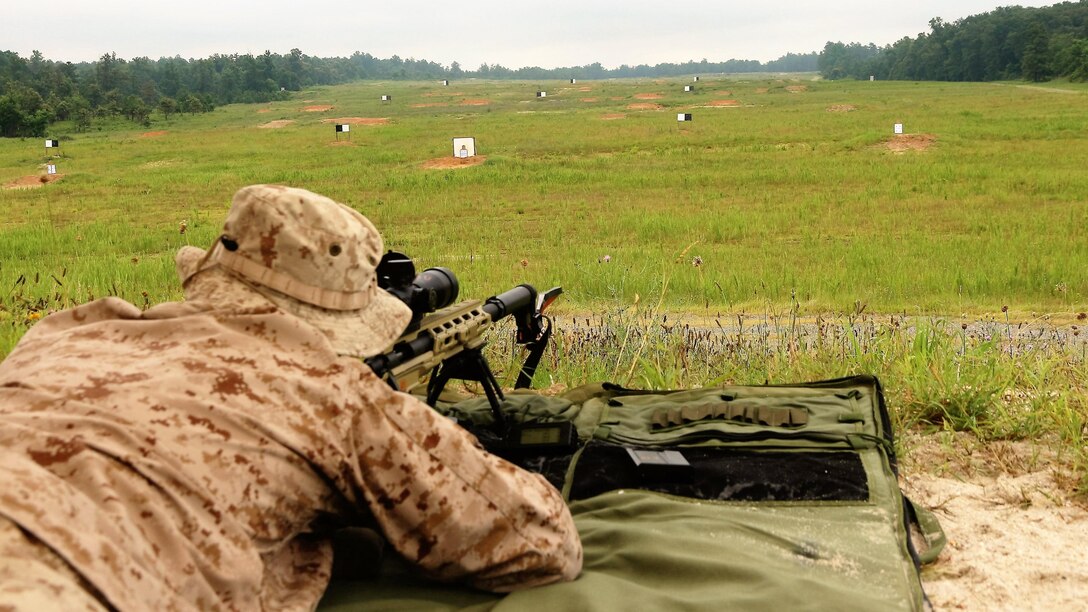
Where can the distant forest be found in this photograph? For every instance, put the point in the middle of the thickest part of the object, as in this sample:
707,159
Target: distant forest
1010,43
35,92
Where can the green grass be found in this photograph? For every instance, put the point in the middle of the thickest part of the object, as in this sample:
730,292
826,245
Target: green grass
795,213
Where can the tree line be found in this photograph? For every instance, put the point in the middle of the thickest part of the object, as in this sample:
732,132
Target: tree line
1008,43
35,91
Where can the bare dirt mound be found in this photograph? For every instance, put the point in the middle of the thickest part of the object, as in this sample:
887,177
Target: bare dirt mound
429,104
611,116
901,143
1014,541
264,110
358,120
32,181
762,90
724,103
588,99
480,102
796,88
649,96
841,108
154,134
279,123
644,106
454,163
317,109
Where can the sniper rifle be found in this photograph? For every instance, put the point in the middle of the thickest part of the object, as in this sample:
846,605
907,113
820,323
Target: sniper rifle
446,340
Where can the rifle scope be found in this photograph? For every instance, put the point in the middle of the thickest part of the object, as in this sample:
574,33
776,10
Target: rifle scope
432,289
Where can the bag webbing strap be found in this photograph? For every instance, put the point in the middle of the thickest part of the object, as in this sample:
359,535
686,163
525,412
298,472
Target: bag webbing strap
757,415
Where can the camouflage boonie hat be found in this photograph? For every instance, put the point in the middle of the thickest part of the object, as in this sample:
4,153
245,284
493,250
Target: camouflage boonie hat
315,258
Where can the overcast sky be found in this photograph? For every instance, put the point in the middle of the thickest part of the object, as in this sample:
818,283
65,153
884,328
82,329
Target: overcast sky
549,34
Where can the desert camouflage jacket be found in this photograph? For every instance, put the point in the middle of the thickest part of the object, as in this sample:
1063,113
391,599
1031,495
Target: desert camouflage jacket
187,456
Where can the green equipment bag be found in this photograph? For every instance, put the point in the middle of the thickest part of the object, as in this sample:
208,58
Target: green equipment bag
778,497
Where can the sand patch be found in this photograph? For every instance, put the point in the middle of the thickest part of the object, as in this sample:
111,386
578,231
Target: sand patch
611,116
841,108
317,109
644,106
154,134
428,104
1015,539
723,103
588,100
453,163
161,163
279,123
649,96
32,181
585,89
480,102
901,143
358,120
796,88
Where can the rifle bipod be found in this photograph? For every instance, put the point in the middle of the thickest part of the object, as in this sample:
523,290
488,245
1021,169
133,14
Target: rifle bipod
469,364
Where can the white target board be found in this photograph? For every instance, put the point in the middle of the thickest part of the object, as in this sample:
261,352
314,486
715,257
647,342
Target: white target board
696,79
898,128
52,144
683,116
445,82
51,169
573,81
386,98
542,94
464,147
343,127
689,88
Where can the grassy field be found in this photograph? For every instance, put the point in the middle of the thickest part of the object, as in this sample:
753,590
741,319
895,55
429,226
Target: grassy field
786,201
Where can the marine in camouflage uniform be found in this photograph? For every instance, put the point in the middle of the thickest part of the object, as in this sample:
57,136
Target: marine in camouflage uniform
194,455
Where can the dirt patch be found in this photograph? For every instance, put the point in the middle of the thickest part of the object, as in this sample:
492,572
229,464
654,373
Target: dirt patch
264,110
453,163
358,120
317,109
762,90
1015,541
32,181
428,104
611,116
796,88
841,108
161,163
722,103
644,106
279,123
649,96
341,143
589,99
433,94
154,134
585,89
480,102
901,143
